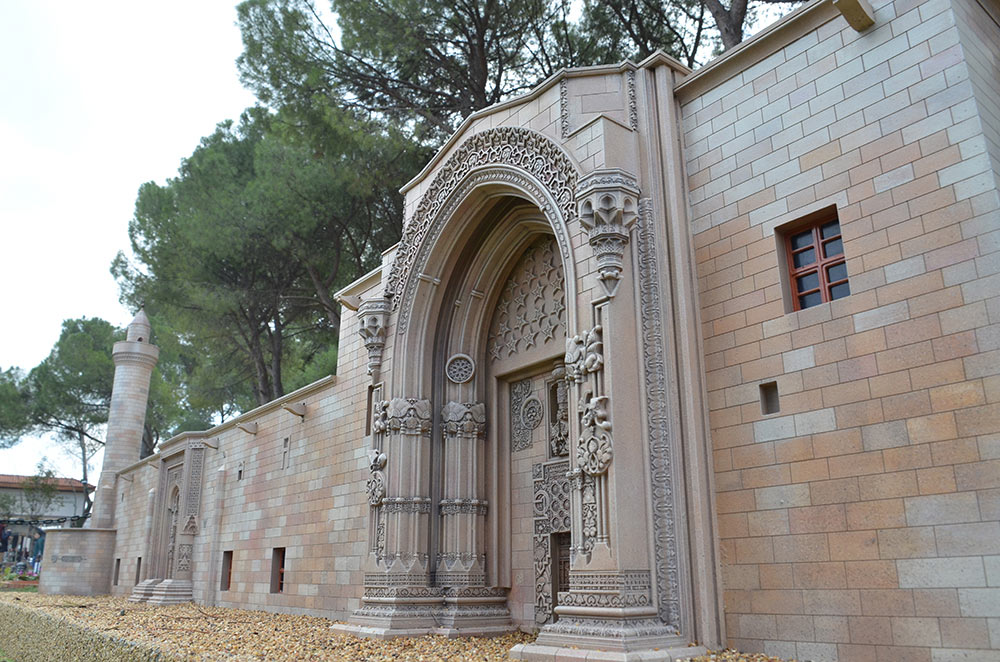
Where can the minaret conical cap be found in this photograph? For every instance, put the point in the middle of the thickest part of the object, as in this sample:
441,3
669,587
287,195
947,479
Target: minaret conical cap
139,328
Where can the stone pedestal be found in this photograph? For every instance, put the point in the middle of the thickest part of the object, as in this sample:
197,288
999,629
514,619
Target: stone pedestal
77,562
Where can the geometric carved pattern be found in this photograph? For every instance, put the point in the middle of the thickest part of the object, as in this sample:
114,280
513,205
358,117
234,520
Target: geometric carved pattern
533,302
460,368
552,515
660,456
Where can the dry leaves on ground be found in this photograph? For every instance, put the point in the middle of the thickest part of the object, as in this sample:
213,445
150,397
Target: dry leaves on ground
193,632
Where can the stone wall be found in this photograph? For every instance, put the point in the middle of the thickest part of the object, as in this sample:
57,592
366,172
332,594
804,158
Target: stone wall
860,522
77,561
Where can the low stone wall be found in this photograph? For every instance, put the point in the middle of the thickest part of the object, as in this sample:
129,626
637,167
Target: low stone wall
27,635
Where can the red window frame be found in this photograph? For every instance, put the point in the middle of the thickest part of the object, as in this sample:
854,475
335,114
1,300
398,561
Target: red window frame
821,265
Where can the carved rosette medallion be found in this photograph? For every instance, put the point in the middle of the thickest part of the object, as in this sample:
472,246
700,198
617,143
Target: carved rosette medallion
607,204
460,369
373,320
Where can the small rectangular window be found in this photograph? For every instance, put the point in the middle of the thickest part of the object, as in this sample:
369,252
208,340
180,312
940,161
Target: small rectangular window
138,569
284,454
118,567
278,570
769,398
816,264
227,570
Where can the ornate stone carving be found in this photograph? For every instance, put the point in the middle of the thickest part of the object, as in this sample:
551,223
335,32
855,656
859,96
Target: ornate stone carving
406,504
408,416
607,202
463,506
373,320
563,107
380,417
375,486
184,557
532,305
532,412
551,515
520,438
594,448
657,414
190,526
464,419
633,111
460,368
513,155
196,465
629,588
584,354
559,415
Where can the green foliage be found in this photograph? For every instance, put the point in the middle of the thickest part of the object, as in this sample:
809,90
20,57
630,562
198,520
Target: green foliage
421,64
237,258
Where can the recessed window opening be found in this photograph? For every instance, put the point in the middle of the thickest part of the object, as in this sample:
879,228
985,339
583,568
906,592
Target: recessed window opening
227,570
769,398
816,264
284,454
278,570
239,471
138,569
118,567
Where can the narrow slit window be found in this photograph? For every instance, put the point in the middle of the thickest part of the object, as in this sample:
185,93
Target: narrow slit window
278,570
284,453
226,577
138,569
118,567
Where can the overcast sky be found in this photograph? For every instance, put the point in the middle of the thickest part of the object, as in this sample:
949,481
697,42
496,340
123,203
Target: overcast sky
95,99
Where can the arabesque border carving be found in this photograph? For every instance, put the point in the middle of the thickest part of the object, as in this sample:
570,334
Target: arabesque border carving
660,455
512,155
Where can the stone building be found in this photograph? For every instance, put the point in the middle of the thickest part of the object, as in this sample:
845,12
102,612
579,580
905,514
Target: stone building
662,357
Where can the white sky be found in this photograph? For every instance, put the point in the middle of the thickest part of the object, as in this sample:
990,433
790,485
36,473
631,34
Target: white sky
95,99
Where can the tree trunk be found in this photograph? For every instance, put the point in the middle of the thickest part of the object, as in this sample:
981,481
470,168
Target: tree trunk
729,21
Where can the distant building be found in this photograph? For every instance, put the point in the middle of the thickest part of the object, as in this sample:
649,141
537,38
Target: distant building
70,499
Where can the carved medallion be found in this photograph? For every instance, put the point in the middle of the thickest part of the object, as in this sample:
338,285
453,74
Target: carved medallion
460,368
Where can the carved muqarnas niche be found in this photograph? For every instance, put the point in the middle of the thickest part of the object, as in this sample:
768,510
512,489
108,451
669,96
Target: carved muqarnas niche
531,309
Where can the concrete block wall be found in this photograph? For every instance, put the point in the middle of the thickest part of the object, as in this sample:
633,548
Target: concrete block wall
861,522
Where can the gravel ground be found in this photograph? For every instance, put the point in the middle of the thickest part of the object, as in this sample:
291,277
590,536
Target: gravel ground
192,632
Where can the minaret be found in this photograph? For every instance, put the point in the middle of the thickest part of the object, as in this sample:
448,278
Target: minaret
134,360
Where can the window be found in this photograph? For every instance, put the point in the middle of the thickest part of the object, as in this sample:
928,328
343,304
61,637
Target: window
284,454
278,570
118,567
769,403
227,570
138,569
816,263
